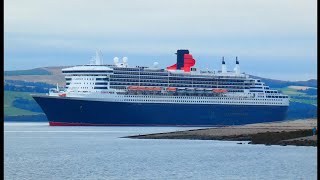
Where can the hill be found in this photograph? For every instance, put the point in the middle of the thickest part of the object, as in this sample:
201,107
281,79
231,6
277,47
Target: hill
50,75
281,84
19,103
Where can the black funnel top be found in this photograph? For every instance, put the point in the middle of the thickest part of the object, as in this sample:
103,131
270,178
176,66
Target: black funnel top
180,57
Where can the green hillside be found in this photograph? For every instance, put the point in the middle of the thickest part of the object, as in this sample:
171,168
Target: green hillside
298,96
10,97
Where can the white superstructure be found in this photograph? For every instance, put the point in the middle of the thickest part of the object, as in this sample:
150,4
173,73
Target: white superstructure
121,83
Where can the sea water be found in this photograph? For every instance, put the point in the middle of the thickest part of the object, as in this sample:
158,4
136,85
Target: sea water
39,151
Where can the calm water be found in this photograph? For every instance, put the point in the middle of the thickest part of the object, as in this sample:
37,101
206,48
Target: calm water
38,151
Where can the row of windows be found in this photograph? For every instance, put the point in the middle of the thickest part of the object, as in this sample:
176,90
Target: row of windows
271,91
219,78
100,87
137,73
79,83
177,85
83,78
126,69
195,97
181,79
85,87
277,97
103,83
103,79
136,77
176,81
227,102
85,71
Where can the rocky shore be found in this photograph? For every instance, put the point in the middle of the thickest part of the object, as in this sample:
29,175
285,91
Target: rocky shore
296,132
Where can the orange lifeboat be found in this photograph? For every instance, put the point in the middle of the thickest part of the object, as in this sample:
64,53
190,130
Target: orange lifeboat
141,88
171,89
133,87
148,88
219,90
63,95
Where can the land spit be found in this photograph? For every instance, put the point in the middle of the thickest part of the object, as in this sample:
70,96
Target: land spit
294,132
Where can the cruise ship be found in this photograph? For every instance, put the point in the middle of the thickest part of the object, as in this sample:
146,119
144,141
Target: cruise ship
98,94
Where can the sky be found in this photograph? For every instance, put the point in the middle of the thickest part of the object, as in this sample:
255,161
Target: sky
272,38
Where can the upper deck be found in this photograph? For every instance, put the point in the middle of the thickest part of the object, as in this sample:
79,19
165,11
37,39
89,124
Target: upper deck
97,77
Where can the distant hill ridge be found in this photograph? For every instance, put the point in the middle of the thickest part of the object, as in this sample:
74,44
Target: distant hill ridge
53,75
280,83
36,71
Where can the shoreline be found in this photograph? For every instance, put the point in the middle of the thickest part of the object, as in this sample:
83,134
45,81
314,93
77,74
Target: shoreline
297,132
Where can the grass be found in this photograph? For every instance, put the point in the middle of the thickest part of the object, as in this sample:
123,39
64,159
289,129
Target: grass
290,91
301,97
9,97
13,111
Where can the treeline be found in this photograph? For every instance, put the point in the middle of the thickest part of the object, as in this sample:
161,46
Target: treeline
309,91
30,105
23,86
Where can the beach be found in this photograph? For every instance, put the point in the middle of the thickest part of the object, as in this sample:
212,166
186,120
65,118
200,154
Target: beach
295,132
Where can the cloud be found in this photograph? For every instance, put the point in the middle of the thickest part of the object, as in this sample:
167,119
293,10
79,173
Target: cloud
66,31
161,18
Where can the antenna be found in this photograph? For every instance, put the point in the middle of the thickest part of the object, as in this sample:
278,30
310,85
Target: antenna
98,57
101,57
92,60
57,87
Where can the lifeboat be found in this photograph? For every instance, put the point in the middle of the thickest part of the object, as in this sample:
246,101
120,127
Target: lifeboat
219,90
142,88
63,95
133,87
157,89
171,89
149,88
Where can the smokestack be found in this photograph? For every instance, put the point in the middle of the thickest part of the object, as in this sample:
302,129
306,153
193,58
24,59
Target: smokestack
237,66
180,57
224,67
